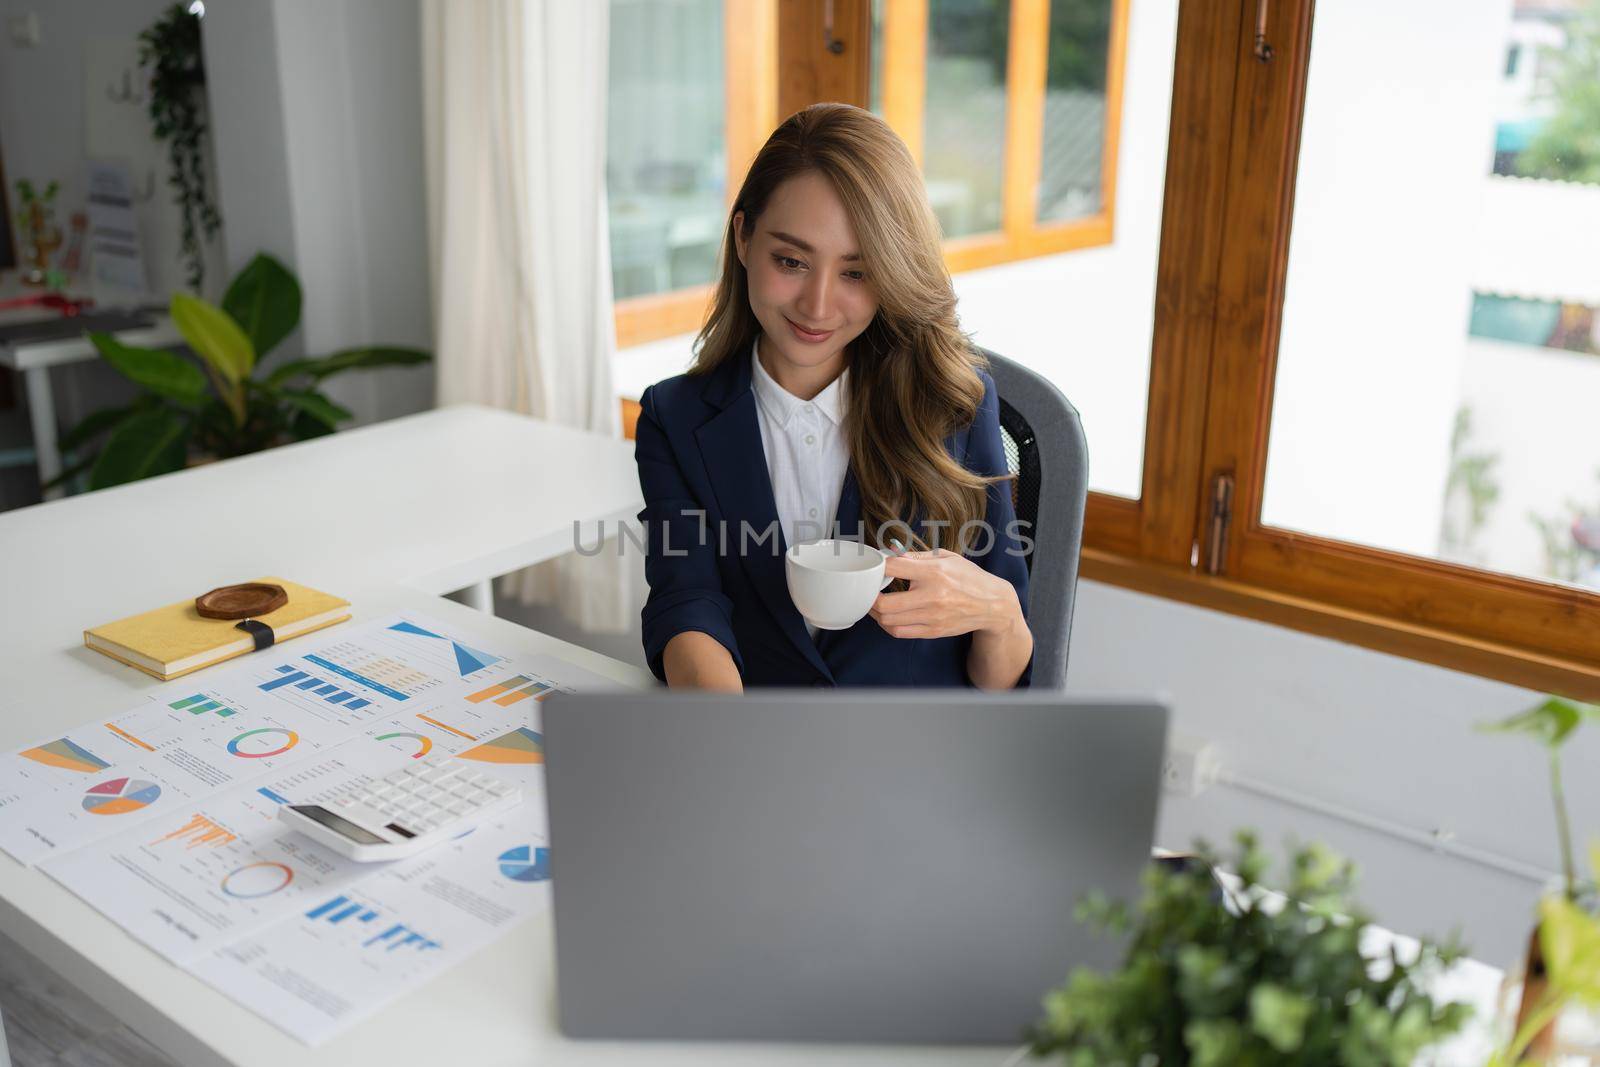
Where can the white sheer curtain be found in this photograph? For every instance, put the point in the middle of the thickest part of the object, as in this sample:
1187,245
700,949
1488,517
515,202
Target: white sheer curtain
515,121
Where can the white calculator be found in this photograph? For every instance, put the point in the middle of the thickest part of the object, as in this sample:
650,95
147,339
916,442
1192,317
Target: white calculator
403,813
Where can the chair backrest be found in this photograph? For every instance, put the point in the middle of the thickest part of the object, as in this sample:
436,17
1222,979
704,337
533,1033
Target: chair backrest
1046,450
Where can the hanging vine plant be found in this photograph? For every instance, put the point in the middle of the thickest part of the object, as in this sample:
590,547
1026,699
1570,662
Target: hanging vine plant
170,50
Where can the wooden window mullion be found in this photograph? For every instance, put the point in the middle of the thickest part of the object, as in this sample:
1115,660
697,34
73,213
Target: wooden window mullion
1162,524
905,70
1027,60
1505,626
750,50
808,73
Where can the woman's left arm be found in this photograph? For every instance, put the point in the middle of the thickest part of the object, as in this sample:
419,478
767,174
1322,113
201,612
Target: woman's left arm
986,594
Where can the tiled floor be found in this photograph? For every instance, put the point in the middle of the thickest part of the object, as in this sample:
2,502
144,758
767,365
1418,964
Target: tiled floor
48,1023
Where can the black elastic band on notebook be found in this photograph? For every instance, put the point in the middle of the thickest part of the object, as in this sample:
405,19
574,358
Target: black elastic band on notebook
262,633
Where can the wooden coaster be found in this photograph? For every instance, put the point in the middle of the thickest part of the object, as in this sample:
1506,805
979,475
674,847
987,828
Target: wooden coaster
248,600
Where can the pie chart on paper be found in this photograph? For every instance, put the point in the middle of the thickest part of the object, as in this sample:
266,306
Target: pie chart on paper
120,796
522,864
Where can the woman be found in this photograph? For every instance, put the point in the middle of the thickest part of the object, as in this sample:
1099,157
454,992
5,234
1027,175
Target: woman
831,390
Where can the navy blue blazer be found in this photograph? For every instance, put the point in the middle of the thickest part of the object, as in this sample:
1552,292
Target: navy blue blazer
698,446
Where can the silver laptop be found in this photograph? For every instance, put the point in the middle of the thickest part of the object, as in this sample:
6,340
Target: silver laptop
861,866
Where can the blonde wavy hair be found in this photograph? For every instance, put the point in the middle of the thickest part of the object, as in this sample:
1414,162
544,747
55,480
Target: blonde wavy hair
913,374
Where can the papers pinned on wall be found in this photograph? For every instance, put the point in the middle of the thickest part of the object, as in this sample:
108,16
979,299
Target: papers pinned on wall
116,255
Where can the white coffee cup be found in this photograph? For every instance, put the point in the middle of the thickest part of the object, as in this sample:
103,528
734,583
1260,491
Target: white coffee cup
834,583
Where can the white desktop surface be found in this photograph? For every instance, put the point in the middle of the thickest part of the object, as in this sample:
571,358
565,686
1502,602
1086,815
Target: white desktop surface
432,502
436,501
496,1008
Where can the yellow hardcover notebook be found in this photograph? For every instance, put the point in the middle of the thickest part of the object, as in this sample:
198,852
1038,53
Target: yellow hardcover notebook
175,640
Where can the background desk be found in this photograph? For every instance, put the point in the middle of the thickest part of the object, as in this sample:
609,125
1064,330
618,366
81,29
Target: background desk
33,360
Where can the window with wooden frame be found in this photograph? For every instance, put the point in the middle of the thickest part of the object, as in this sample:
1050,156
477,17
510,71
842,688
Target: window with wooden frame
1013,109
692,96
1371,391
1012,106
1311,455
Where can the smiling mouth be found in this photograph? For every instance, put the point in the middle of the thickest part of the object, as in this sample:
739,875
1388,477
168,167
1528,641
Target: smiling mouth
805,334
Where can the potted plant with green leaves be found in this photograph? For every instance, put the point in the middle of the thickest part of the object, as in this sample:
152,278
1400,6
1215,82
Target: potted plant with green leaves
219,403
1248,979
36,225
1561,971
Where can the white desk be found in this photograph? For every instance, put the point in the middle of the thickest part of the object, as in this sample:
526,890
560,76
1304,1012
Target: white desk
33,360
497,1008
437,501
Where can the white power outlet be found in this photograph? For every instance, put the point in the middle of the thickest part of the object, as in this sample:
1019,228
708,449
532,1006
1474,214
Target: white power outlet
1191,766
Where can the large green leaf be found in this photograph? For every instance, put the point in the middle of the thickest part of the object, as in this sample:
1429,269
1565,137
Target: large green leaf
163,373
1569,938
349,359
70,473
148,443
214,336
265,301
316,406
1549,722
303,427
92,426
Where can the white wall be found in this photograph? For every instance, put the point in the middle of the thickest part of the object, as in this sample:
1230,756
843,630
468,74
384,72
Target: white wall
316,116
1378,734
44,125
43,134
321,162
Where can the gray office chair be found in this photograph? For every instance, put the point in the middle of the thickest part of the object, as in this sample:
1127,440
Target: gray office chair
5,1057
1046,450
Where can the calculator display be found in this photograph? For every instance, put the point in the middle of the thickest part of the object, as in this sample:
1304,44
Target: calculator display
344,826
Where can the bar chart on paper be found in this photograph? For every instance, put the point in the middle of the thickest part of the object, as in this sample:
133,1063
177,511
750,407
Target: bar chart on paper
340,908
313,686
201,704
513,691
388,936
389,665
199,832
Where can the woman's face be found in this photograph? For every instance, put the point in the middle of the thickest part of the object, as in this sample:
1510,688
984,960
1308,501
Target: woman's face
808,286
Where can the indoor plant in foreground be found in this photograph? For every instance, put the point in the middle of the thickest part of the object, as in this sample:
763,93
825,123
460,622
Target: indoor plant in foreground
1561,972
218,405
1254,982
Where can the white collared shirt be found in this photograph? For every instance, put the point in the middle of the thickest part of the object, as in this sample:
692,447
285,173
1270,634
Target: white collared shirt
807,454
